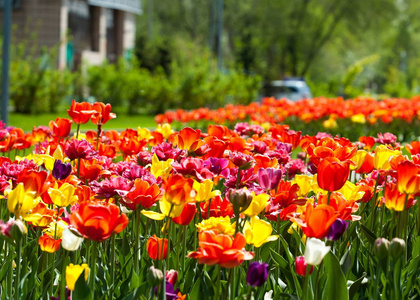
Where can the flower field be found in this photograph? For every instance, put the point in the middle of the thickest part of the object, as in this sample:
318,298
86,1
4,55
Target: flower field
256,210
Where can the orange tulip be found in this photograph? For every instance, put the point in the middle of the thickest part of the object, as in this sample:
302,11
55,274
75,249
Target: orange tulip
317,221
221,249
97,221
154,247
89,170
395,200
367,165
413,147
103,114
177,189
81,112
144,195
61,127
187,214
333,173
408,177
188,139
49,244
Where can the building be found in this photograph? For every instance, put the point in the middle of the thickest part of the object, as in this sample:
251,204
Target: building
83,30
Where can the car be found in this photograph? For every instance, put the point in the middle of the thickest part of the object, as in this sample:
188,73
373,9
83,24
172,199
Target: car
293,89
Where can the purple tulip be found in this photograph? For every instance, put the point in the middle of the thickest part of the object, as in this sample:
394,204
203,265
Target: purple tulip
61,170
269,178
257,274
337,229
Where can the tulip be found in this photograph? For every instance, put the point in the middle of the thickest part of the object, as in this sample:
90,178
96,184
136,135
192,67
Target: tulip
48,243
382,157
315,251
218,225
70,241
61,170
317,220
337,229
408,177
154,247
240,200
103,113
396,248
61,127
143,195
301,266
204,190
20,201
269,178
258,232
80,112
12,230
155,276
97,221
73,273
160,168
79,149
187,214
333,174
171,276
64,195
257,205
221,249
177,189
257,274
395,200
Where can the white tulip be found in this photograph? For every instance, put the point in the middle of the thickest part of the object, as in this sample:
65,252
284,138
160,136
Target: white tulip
315,251
70,241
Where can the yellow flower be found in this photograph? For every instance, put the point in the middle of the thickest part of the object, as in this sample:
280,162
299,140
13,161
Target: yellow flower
358,159
258,232
359,118
73,273
330,123
305,183
143,133
165,208
40,159
382,157
64,195
204,190
52,231
258,203
220,224
351,192
160,168
165,130
20,201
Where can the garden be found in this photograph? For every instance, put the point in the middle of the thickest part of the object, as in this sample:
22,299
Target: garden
274,200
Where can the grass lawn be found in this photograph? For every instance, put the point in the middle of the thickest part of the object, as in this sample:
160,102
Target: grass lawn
122,122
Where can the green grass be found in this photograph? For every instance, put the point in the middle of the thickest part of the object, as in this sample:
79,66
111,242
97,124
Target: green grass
122,122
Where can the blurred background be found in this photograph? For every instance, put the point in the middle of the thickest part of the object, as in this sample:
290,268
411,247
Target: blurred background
145,57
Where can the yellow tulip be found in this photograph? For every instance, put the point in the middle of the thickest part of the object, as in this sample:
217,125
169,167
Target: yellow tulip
165,208
258,203
220,225
358,159
160,168
382,157
358,118
351,192
165,130
204,190
73,273
64,195
20,201
55,229
258,232
305,183
144,133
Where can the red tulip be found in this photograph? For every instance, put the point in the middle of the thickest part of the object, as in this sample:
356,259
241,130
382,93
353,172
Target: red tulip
154,247
333,173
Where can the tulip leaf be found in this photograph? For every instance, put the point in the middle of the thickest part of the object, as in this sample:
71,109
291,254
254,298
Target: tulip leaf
335,286
5,268
195,292
369,234
278,259
355,286
345,262
81,289
288,295
411,273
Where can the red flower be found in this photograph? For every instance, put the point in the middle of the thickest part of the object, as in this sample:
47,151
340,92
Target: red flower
97,221
61,127
333,173
154,247
49,244
143,195
187,214
221,249
103,114
81,112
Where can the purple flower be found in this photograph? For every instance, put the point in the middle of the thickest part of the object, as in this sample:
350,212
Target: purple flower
337,229
257,274
269,178
79,149
218,166
61,170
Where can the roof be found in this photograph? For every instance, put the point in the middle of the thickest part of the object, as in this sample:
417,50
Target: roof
132,6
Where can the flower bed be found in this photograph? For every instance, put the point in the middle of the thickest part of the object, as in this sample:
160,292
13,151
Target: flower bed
253,211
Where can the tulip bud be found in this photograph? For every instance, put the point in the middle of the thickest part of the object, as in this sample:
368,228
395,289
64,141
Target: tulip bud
396,248
155,276
315,251
301,266
257,274
13,230
61,170
381,248
337,229
240,199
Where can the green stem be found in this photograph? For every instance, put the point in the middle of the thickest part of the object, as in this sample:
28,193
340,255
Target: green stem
94,258
112,262
18,258
78,167
137,241
63,276
329,197
306,283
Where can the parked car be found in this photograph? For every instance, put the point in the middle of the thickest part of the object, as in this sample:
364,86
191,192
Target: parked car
293,89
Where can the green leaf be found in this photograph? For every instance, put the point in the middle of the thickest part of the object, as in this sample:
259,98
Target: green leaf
5,268
278,259
345,262
288,295
355,286
81,289
195,292
336,286
369,234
